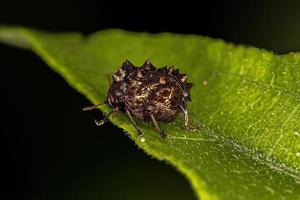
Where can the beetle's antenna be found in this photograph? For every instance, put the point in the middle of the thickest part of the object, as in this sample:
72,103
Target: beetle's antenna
92,107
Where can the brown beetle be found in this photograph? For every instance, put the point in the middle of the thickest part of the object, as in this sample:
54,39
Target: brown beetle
148,94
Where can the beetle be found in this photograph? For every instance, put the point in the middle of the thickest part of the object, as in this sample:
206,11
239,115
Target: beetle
148,93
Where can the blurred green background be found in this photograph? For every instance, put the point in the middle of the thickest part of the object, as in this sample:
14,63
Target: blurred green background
52,150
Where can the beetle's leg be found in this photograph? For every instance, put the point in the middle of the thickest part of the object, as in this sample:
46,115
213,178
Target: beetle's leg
92,107
186,119
105,119
186,115
140,133
161,133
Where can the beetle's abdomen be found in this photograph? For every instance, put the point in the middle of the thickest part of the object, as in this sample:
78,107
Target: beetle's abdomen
160,97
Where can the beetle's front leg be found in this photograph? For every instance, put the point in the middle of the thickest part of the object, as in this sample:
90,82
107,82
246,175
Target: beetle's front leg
105,119
138,130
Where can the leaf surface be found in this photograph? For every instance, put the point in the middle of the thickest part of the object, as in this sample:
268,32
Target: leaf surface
245,101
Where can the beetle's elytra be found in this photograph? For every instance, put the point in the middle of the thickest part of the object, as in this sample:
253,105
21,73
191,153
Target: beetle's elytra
148,93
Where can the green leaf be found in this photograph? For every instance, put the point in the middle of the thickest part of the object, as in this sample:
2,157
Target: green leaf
245,100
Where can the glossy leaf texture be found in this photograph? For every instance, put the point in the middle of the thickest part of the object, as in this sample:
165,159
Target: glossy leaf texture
245,100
